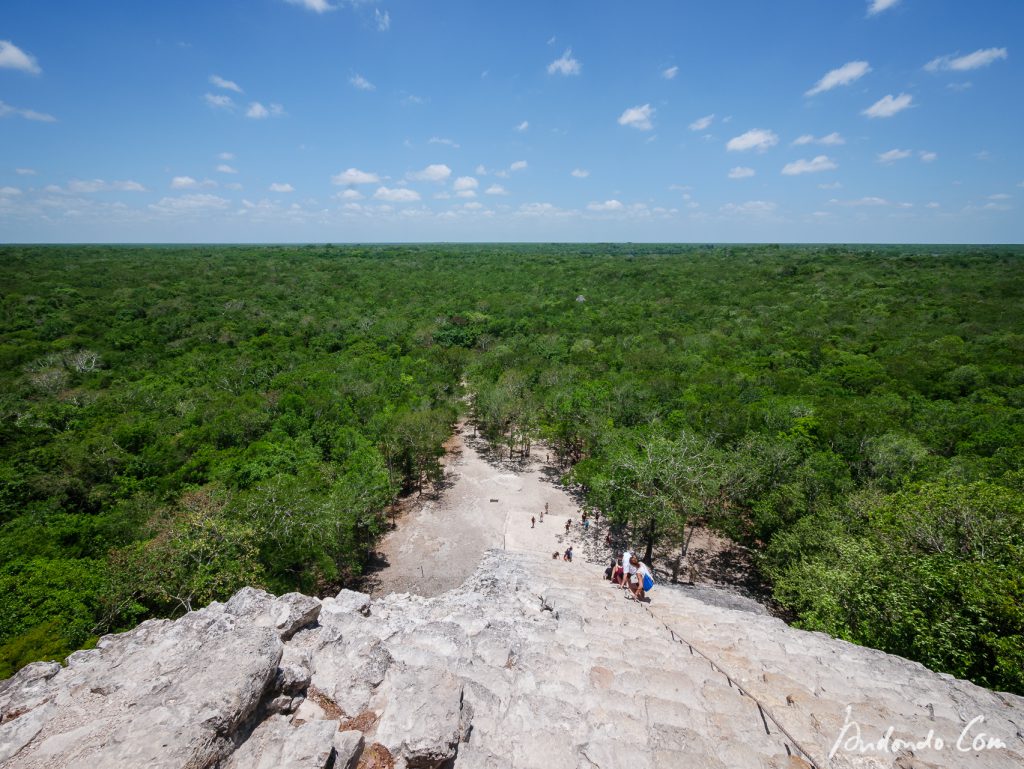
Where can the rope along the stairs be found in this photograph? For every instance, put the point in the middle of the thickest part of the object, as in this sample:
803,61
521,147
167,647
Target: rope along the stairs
790,743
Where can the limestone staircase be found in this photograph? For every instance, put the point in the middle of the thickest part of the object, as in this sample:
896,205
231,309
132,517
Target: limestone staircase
532,663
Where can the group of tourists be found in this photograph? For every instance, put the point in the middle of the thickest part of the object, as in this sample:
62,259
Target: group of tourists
632,574
626,570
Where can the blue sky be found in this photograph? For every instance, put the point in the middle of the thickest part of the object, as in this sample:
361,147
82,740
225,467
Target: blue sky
410,120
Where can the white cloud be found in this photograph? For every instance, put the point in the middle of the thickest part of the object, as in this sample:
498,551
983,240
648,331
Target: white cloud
355,176
518,165
1000,196
927,157
436,172
580,173
932,205
12,57
608,205
281,187
465,183
317,6
186,204
350,195
830,186
889,105
756,138
219,101
755,207
85,186
865,201
893,155
361,83
523,126
465,194
9,191
831,140
233,186
396,195
383,20
446,142
25,171
844,75
227,85
540,209
7,110
257,111
877,6
566,65
638,117
226,156
703,123
670,73
980,58
817,165
183,183
495,189
741,172
224,168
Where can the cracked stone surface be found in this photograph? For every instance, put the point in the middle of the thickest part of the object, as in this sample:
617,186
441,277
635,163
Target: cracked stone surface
530,663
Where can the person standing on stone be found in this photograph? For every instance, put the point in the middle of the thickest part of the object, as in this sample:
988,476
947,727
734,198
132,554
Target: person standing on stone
633,579
627,568
644,580
568,523
533,522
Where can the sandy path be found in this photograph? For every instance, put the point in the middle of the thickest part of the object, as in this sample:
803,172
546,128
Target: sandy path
484,503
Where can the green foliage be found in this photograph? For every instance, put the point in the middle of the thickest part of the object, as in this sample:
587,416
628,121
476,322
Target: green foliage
931,573
179,421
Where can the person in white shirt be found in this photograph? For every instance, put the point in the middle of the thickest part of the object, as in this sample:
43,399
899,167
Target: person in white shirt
630,580
641,572
626,555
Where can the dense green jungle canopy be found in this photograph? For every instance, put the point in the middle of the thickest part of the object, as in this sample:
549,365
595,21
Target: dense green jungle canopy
178,422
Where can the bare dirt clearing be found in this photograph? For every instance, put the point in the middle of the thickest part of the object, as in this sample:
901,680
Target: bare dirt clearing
487,501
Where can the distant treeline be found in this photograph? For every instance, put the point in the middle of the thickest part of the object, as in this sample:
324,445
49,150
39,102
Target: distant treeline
181,421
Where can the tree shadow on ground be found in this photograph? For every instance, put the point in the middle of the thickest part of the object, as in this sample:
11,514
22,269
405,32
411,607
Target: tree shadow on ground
370,581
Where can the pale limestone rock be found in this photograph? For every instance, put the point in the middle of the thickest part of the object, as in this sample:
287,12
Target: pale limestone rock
167,694
422,715
347,747
276,744
529,664
286,615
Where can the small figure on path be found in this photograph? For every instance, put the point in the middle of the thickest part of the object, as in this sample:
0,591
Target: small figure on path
542,516
586,524
555,555
626,568
533,522
645,580
608,539
568,523
568,554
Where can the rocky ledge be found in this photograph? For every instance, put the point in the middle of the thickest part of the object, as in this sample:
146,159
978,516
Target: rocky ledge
531,663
